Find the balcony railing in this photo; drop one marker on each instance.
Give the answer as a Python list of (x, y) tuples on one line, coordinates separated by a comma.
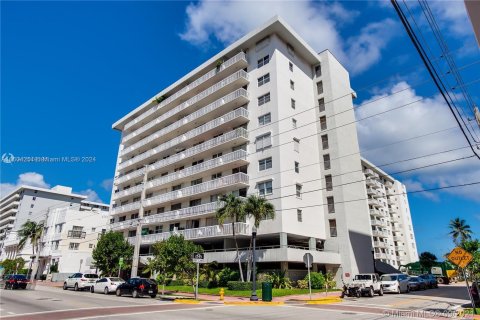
[(241, 228), (240, 112), (124, 224), (380, 244), (378, 223), (229, 136), (76, 234), (191, 86), (368, 172), (191, 117), (182, 213), (126, 208), (378, 233), (128, 192), (198, 189), (380, 255)]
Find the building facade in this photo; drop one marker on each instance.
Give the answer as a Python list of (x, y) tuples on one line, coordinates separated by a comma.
[(268, 116)]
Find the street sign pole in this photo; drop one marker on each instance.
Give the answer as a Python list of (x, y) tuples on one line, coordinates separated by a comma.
[(462, 258), (198, 258), (309, 280), (469, 292), (196, 286)]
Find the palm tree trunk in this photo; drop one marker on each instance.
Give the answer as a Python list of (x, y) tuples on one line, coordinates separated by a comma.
[(238, 252)]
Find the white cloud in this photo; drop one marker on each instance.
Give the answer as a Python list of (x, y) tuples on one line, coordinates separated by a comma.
[(426, 116), (452, 16), (316, 22), (28, 178), (107, 184), (91, 195)]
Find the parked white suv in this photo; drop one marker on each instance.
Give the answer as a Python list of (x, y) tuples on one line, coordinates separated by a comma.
[(80, 281), (363, 284), (395, 282)]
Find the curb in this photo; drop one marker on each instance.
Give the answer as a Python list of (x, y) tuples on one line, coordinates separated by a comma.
[(254, 303), (324, 301), (186, 301)]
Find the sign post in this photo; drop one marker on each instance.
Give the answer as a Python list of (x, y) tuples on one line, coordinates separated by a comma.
[(462, 258), (198, 258), (308, 259)]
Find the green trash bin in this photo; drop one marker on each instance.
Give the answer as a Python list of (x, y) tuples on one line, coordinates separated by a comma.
[(266, 291)]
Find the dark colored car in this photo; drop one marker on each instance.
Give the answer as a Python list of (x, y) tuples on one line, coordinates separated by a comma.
[(138, 287), (417, 283), (430, 280), (16, 281)]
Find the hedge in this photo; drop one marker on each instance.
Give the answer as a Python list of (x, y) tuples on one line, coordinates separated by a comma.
[(242, 286)]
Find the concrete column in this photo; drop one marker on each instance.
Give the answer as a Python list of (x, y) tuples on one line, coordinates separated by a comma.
[(283, 239), (312, 244)]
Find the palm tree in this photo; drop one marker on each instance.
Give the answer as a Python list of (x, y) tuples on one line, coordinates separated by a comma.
[(233, 208), (459, 230), (32, 231), (259, 209)]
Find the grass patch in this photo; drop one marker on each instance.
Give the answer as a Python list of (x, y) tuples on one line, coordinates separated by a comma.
[(238, 293), (470, 311)]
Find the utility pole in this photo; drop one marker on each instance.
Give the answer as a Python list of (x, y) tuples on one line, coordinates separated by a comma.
[(36, 264), (138, 236)]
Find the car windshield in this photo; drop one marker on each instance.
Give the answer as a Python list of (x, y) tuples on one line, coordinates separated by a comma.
[(414, 279), (389, 278), (116, 279), (20, 277), (91, 276), (150, 281), (363, 277)]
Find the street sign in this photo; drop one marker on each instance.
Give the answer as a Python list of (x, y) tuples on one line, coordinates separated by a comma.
[(198, 257), (120, 262), (460, 257), (308, 259)]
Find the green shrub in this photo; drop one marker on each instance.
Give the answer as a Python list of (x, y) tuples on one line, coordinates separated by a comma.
[(242, 286), (302, 284), (279, 280), (317, 279), (225, 275), (263, 277), (203, 284), (176, 283)]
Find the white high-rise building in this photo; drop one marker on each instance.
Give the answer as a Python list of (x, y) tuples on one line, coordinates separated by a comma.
[(268, 115)]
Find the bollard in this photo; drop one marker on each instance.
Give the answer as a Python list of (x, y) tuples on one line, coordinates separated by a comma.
[(221, 294)]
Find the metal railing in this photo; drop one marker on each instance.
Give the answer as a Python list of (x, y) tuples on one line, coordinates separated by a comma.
[(228, 98), (126, 208), (197, 189), (76, 234), (226, 137), (240, 112), (191, 86)]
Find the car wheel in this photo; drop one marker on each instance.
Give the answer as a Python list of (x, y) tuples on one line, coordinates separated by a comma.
[(118, 293), (371, 292), (408, 289), (135, 293), (75, 287), (153, 296), (359, 293), (380, 292), (106, 290), (92, 290), (65, 286)]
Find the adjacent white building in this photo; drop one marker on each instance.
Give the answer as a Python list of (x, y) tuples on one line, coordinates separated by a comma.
[(67, 217), (268, 115)]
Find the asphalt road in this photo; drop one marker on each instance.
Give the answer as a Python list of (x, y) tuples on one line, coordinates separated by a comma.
[(53, 303)]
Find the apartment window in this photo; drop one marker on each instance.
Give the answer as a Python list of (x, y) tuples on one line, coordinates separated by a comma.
[(73, 246), (216, 155), (55, 245), (134, 216), (296, 144), (194, 163), (90, 245), (265, 187), (132, 233), (263, 141), (177, 187), (195, 202), (297, 167), (299, 215), (321, 105), (264, 119), (158, 229), (333, 227), (329, 182), (217, 175), (320, 87), (58, 228), (298, 190), (323, 123), (265, 164), (164, 174), (174, 226), (195, 182), (214, 197), (325, 142), (263, 79), (292, 103), (93, 229), (34, 198), (178, 169), (120, 219), (176, 206), (292, 85), (263, 61), (136, 199), (326, 162), (161, 210), (330, 205), (290, 66), (318, 71), (294, 123), (31, 206), (264, 99)]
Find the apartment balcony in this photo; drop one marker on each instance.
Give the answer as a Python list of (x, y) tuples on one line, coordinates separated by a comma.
[(400, 248), (76, 234), (11, 205), (11, 212), (126, 208), (11, 242), (233, 119), (378, 223), (381, 255), (6, 221), (390, 201), (216, 231), (380, 244), (378, 233), (231, 138), (397, 228), (128, 192), (186, 120), (397, 238), (238, 79), (374, 203), (227, 183), (6, 201), (389, 184), (376, 213), (369, 173), (371, 191), (122, 225)]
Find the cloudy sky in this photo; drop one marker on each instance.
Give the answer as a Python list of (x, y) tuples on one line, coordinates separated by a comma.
[(71, 69)]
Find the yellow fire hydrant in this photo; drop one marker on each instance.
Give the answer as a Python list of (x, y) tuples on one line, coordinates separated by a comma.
[(222, 292)]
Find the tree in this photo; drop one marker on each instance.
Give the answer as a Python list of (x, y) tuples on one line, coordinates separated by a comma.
[(460, 231), (427, 260), (32, 231), (110, 248), (473, 247), (12, 265), (174, 256), (232, 208), (259, 209)]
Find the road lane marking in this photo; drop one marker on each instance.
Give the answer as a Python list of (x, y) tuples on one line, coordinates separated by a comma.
[(78, 309)]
